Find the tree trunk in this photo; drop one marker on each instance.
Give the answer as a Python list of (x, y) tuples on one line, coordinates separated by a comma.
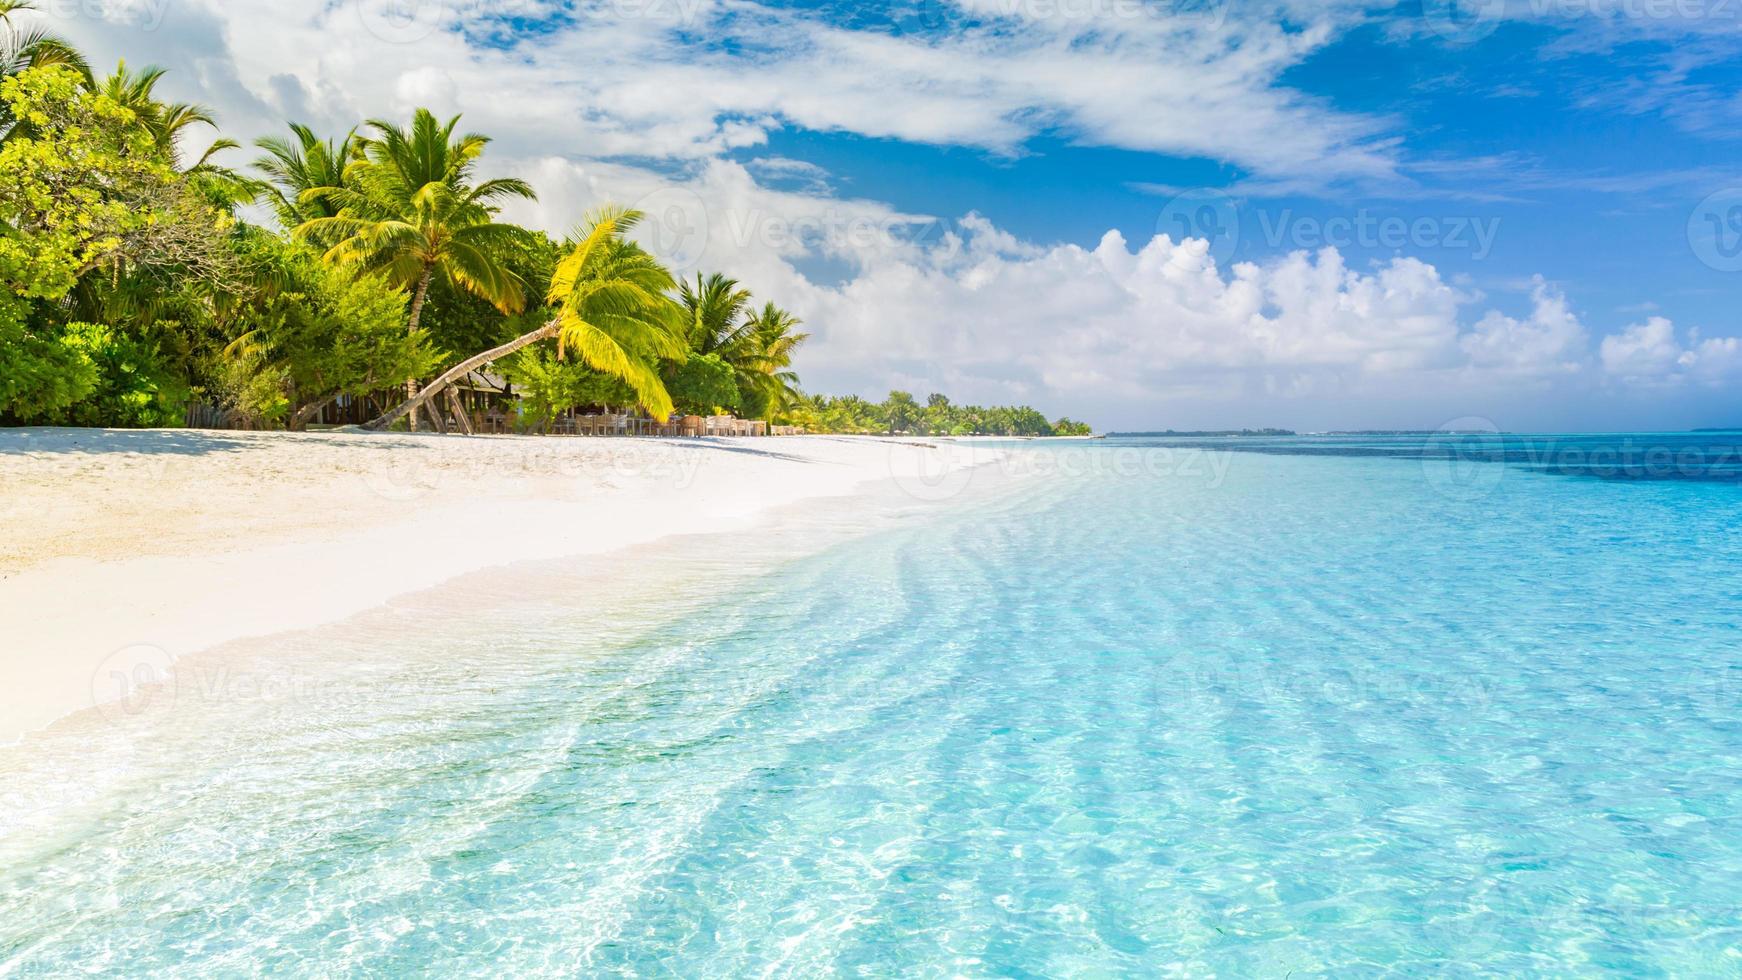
[(462, 418), (301, 419), (463, 368), (418, 298)]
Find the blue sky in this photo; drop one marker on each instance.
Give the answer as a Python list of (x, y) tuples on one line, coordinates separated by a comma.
[(1144, 212)]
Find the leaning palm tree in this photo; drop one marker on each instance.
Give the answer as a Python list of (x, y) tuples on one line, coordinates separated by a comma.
[(292, 169), (407, 208), (611, 308), (22, 49)]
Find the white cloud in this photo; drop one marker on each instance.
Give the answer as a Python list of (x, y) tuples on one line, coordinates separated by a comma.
[(1161, 322), (1551, 340), (1649, 353), (425, 86), (627, 77)]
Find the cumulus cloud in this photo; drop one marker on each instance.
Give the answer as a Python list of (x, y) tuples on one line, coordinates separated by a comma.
[(1160, 321), (1551, 340), (1649, 353)]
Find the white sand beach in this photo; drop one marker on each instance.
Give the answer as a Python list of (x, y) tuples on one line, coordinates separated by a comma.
[(175, 541)]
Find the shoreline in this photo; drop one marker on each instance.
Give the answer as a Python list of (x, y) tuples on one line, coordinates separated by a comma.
[(127, 551)]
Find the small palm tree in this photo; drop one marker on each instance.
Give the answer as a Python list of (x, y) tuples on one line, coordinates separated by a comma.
[(293, 169), (774, 382), (758, 346), (612, 310), (167, 122), (408, 208), (714, 315)]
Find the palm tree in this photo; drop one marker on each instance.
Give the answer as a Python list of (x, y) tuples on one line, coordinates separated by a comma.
[(408, 208), (774, 382), (612, 309), (714, 314), (21, 50), (757, 346), (167, 122), (293, 169)]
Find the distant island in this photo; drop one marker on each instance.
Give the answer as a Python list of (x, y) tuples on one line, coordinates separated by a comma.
[(1173, 433), (1414, 432)]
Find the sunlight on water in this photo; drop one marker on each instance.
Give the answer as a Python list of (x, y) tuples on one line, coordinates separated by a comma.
[(1110, 709)]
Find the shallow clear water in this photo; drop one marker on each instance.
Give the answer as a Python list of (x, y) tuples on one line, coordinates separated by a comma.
[(1119, 708)]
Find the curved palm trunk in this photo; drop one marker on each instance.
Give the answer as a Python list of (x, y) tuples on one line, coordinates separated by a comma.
[(417, 300), (462, 369)]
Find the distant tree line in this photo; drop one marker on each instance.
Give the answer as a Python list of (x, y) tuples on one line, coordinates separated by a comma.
[(900, 413)]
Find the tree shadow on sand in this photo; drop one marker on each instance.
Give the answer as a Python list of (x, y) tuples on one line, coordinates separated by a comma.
[(144, 442)]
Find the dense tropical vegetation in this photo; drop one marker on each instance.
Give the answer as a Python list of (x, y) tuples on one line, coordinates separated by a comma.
[(138, 292), (938, 416)]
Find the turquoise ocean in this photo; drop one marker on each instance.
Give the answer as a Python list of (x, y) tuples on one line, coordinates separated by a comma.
[(1358, 705)]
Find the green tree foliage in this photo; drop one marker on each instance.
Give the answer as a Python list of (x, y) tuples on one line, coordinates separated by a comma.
[(611, 307), (460, 322), (313, 333), (758, 346), (88, 187), (771, 386), (89, 194), (901, 413), (409, 209), (134, 384), (548, 386), (42, 373), (701, 384), (22, 49)]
